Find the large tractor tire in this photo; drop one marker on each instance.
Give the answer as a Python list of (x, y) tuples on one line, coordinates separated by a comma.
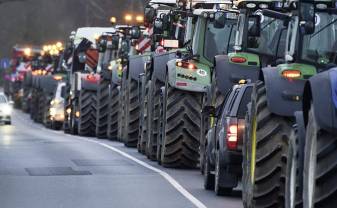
[(114, 114), (143, 117), (264, 153), (102, 109), (132, 114), (87, 117), (320, 166), (41, 108), (181, 128), (153, 124)]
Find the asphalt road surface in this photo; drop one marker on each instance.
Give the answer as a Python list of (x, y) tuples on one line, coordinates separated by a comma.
[(41, 168)]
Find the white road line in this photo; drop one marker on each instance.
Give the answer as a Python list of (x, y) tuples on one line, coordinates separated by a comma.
[(164, 174)]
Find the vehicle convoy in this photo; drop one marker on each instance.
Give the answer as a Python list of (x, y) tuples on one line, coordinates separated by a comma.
[(311, 157), (81, 60), (223, 155), (276, 97)]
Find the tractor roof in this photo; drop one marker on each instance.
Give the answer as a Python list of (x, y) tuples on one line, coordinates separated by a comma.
[(91, 33)]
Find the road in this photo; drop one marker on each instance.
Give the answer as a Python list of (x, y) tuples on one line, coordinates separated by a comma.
[(44, 168)]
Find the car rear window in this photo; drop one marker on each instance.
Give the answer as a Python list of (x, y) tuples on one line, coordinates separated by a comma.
[(244, 101)]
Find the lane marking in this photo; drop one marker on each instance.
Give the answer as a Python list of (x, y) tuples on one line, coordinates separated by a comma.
[(164, 174)]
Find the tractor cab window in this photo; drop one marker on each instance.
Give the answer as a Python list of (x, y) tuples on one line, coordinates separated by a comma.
[(219, 40), (272, 37), (321, 46)]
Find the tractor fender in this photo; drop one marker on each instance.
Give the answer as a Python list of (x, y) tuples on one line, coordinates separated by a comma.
[(199, 85), (320, 90), (136, 66), (228, 73), (283, 95), (159, 65)]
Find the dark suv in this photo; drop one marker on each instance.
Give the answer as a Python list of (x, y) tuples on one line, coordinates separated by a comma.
[(223, 155)]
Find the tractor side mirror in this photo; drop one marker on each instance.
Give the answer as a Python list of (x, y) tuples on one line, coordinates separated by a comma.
[(158, 26), (307, 17), (102, 45), (135, 32), (219, 19), (209, 111), (149, 14), (254, 25)]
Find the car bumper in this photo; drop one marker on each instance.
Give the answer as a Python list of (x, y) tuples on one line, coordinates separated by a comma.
[(232, 161), (4, 118)]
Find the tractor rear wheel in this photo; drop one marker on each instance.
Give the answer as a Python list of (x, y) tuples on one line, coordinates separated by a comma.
[(181, 128), (102, 109), (132, 114), (265, 153), (87, 113), (113, 119), (320, 166), (153, 123)]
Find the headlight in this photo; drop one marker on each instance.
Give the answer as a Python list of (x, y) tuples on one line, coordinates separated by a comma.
[(7, 110)]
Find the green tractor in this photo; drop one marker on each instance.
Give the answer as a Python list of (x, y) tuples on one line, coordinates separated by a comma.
[(256, 41), (267, 146), (187, 78), (311, 166)]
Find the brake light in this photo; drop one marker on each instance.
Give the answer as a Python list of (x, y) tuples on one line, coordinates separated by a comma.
[(291, 74), (232, 137), (237, 59)]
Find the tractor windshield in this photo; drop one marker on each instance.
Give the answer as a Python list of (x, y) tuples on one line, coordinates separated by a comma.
[(321, 46), (219, 40), (271, 40)]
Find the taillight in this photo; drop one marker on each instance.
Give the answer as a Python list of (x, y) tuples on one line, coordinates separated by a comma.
[(92, 78), (186, 65), (237, 59), (232, 136), (291, 74)]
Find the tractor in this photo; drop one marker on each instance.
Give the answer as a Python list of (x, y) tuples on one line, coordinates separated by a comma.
[(310, 171), (276, 96), (81, 89)]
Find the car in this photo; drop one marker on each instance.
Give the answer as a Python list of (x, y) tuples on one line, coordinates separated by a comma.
[(5, 110), (56, 110), (223, 155)]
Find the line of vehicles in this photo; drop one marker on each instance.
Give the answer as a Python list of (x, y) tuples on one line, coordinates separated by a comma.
[(244, 90)]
